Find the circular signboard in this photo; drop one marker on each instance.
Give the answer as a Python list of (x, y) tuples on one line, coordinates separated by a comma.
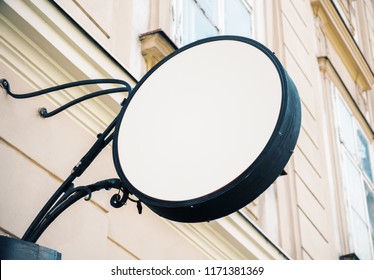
[(208, 129)]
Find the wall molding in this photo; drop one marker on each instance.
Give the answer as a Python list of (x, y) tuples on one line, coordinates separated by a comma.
[(155, 46), (35, 34), (231, 237), (326, 66), (337, 32)]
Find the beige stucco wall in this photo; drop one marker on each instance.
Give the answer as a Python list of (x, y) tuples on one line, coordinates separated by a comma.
[(41, 47), (309, 170), (299, 216), (38, 154)]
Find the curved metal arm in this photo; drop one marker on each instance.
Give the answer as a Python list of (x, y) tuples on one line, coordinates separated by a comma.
[(73, 194), (67, 194), (125, 87)]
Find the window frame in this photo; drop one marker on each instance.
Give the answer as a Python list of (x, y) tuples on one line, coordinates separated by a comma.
[(178, 24), (344, 155)]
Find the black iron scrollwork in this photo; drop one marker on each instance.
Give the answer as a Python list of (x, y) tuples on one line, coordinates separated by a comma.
[(72, 195), (124, 87), (67, 194)]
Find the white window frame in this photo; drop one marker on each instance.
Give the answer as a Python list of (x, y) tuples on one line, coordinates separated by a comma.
[(344, 155), (177, 28)]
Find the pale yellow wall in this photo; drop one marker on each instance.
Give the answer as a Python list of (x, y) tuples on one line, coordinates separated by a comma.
[(40, 47), (301, 221), (309, 172), (115, 25), (38, 154), (310, 213), (343, 64)]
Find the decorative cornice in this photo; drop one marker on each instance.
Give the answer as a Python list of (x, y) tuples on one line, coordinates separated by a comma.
[(35, 50), (231, 237), (325, 65), (337, 32), (155, 46)]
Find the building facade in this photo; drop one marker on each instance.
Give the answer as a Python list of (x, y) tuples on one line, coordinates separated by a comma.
[(322, 209)]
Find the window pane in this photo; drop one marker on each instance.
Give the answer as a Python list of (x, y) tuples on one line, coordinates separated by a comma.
[(356, 197), (370, 206), (196, 25), (363, 154), (354, 185), (357, 177), (203, 28), (210, 7), (360, 237), (238, 19), (346, 128)]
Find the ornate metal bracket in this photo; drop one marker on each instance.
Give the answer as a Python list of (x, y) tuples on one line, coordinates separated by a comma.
[(67, 194), (124, 87), (72, 195)]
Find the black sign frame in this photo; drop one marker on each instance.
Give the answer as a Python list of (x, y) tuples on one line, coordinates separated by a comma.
[(255, 179)]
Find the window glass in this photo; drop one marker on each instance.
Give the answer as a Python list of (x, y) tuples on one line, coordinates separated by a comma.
[(363, 154), (196, 24), (210, 7), (346, 128), (202, 27), (354, 185), (361, 238), (357, 175), (207, 18), (238, 18), (370, 204)]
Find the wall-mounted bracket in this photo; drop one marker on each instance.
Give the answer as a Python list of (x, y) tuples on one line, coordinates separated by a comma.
[(67, 194)]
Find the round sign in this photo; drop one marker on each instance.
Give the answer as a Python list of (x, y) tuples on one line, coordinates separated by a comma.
[(208, 129)]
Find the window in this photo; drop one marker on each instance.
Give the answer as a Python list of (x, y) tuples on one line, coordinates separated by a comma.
[(198, 19), (349, 12), (357, 174)]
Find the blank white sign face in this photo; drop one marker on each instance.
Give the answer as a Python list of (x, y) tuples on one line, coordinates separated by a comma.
[(199, 120)]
